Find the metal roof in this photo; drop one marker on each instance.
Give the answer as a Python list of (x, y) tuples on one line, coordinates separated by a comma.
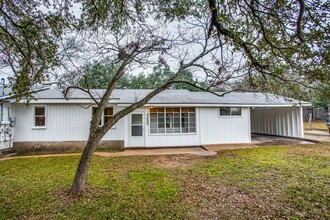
[(170, 97)]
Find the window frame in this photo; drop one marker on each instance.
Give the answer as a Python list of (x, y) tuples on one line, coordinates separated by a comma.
[(35, 126), (102, 117), (223, 116), (180, 118)]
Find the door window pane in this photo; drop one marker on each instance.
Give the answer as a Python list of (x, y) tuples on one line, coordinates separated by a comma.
[(136, 130), (137, 119)]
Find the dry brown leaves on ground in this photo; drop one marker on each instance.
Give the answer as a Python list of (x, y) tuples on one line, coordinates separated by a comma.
[(218, 201)]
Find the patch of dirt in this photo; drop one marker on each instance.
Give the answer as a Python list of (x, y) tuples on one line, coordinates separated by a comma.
[(217, 201), (177, 161), (67, 199)]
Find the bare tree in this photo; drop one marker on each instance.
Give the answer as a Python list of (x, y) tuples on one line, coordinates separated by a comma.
[(141, 47)]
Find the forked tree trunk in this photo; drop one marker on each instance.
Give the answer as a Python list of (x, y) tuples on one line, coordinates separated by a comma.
[(79, 181)]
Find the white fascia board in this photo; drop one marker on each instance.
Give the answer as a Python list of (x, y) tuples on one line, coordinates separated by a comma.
[(220, 105), (63, 101), (115, 101)]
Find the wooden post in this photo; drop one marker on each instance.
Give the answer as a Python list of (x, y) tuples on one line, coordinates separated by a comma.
[(328, 115), (310, 121)]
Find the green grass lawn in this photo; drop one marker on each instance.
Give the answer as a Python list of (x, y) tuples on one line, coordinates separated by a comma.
[(269, 182)]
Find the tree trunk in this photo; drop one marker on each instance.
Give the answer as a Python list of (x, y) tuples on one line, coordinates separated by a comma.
[(79, 181)]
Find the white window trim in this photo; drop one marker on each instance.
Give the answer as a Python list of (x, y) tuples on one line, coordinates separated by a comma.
[(102, 116), (230, 116), (171, 134), (34, 126)]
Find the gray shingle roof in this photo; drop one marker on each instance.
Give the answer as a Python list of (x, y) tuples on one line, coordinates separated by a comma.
[(126, 96)]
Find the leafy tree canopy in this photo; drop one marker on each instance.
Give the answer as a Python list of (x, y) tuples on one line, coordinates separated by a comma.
[(29, 33), (276, 38), (320, 97)]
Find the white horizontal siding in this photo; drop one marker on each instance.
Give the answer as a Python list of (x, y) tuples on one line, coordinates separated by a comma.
[(64, 122), (225, 129), (277, 121)]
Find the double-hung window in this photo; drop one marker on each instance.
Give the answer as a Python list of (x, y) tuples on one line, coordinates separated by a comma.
[(39, 116), (230, 111), (172, 120), (106, 116)]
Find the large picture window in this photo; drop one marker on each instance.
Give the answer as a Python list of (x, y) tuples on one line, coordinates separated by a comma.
[(172, 120), (106, 116), (230, 111), (39, 116)]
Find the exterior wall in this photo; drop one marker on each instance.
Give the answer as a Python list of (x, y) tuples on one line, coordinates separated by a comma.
[(225, 129), (285, 121), (64, 122), (67, 127)]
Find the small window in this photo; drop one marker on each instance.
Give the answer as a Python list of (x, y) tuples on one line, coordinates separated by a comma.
[(39, 116), (106, 116), (225, 111), (230, 111)]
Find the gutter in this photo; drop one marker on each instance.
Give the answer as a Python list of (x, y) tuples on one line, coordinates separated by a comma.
[(89, 101)]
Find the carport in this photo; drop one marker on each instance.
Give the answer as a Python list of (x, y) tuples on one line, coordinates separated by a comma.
[(280, 120)]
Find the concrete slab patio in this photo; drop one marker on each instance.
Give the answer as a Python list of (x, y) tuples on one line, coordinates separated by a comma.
[(317, 135), (199, 151), (257, 141)]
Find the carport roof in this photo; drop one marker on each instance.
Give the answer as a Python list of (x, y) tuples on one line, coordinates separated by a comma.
[(169, 97)]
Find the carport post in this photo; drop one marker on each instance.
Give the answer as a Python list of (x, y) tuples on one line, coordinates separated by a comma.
[(301, 124)]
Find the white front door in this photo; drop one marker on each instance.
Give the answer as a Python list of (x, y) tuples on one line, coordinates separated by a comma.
[(137, 130)]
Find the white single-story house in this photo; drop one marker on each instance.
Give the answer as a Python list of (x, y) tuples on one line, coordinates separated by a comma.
[(170, 119)]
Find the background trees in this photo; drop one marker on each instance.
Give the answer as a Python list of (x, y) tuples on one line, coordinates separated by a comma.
[(99, 73)]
